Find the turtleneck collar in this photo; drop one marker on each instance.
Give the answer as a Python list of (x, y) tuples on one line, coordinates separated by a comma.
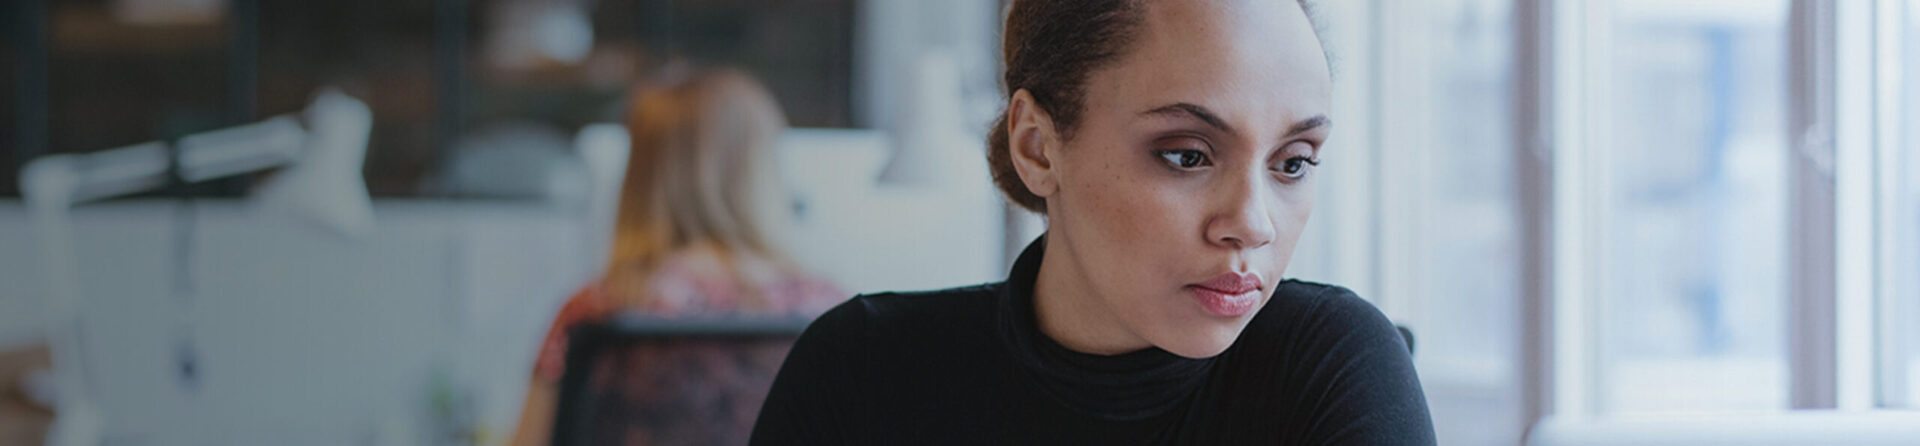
[(1127, 386)]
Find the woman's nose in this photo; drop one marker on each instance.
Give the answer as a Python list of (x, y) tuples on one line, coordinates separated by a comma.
[(1241, 220)]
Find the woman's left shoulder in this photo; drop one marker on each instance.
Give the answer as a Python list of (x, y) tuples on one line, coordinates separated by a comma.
[(1335, 355), (1317, 313), (1305, 298)]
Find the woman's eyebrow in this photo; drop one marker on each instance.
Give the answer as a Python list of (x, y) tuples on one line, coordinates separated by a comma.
[(1207, 116), (1317, 121), (1185, 109)]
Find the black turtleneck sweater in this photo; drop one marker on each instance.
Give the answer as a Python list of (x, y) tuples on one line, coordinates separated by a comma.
[(1317, 365)]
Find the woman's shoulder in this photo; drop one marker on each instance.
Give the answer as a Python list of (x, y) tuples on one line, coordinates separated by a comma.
[(857, 358), (1337, 356), (1301, 298), (1311, 317), (905, 320), (944, 303)]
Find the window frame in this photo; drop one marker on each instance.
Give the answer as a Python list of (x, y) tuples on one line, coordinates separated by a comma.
[(1890, 31), (28, 24)]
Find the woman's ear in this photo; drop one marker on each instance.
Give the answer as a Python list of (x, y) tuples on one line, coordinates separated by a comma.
[(1032, 144)]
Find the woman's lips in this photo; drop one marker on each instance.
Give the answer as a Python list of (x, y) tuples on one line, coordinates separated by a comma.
[(1228, 295)]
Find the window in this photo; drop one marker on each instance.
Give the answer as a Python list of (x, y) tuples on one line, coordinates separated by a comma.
[(1692, 293), (1704, 260), (1906, 217)]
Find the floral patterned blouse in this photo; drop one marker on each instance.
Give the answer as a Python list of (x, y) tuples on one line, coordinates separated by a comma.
[(685, 392), (692, 285)]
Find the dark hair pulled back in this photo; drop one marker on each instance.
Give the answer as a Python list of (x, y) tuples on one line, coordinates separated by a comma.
[(1050, 47)]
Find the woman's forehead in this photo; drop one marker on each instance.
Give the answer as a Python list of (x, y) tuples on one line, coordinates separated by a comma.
[(1254, 63)]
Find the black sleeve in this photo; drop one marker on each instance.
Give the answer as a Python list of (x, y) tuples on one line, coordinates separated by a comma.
[(1370, 394), (816, 395)]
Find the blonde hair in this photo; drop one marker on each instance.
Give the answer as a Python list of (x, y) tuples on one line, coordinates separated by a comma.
[(702, 175)]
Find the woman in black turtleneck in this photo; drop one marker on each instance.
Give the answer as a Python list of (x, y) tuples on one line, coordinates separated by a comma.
[(1171, 144)]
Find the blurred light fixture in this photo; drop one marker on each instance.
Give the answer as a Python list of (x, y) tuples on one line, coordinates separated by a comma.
[(525, 34), (168, 12)]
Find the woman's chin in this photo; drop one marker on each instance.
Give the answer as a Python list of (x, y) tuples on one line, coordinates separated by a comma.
[(1200, 344)]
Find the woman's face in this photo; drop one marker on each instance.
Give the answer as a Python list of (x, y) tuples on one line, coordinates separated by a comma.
[(1186, 183)]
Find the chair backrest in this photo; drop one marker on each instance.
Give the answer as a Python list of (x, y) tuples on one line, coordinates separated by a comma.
[(639, 380), (1406, 334)]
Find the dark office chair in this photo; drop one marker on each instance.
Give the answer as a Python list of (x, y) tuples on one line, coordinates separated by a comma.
[(1407, 334), (641, 380)]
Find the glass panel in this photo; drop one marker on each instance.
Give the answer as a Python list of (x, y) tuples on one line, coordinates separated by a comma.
[(568, 63), (129, 71), (1906, 211), (1466, 350), (540, 70), (126, 72), (1693, 294), (379, 51)]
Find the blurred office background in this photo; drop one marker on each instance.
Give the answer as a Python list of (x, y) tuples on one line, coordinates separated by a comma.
[(1704, 213)]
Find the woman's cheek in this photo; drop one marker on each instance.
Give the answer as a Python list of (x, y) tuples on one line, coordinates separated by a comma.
[(1292, 217)]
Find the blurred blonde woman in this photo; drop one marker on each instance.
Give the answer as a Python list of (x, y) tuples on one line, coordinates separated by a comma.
[(695, 236)]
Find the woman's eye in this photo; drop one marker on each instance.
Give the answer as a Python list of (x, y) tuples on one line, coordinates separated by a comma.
[(1296, 167), (1184, 159)]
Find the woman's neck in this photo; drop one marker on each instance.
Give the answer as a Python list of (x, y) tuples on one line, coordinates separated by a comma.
[(1067, 310)]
